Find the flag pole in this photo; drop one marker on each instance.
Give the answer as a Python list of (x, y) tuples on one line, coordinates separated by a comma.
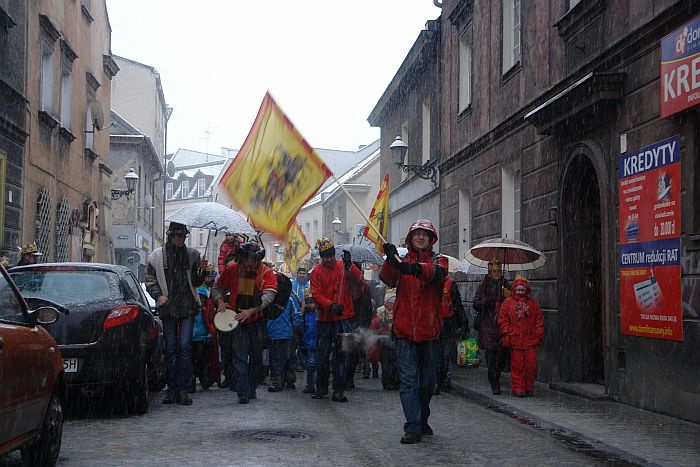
[(359, 209), (362, 213)]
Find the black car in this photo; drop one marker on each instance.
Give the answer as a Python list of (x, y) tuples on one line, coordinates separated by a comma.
[(107, 335)]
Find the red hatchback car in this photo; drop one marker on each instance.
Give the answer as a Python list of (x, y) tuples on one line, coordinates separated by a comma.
[(31, 379)]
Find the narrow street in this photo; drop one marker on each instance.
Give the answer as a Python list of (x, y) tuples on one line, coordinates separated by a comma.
[(290, 428)]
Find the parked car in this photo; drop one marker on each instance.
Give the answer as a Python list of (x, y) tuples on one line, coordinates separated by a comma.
[(110, 338), (31, 379)]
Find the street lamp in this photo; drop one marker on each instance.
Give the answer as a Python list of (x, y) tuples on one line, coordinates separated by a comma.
[(336, 224), (131, 178), (427, 171), (276, 246)]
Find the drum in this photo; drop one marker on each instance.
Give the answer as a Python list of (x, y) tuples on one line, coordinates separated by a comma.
[(346, 342), (225, 321)]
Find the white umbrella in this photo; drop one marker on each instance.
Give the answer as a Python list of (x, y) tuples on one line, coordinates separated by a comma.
[(514, 255), (212, 216)]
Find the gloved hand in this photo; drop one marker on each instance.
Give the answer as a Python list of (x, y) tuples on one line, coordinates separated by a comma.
[(347, 260), (391, 253), (412, 269), (336, 309)]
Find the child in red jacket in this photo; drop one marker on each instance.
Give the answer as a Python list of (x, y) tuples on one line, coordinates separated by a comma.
[(522, 328)]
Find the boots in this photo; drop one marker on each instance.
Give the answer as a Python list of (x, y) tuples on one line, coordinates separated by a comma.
[(310, 386), (276, 384)]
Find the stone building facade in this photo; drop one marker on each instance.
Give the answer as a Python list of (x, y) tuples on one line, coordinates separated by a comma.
[(536, 99), (13, 129), (69, 68)]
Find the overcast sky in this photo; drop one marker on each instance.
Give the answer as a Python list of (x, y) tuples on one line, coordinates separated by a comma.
[(326, 62)]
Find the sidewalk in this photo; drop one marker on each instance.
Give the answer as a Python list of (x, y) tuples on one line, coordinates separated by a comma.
[(608, 431)]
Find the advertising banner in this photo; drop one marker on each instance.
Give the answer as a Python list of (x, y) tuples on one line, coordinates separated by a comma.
[(680, 69), (649, 241)]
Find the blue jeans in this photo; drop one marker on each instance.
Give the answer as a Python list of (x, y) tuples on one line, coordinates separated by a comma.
[(280, 352), (178, 352), (307, 357), (326, 339), (248, 341), (417, 362)]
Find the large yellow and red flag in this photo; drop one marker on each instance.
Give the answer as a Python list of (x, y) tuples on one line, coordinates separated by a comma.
[(295, 247), (379, 217), (276, 171)]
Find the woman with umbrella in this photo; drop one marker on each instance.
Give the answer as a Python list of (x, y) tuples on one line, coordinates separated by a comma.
[(492, 291)]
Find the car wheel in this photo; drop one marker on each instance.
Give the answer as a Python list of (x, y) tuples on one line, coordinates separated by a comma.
[(44, 452), (139, 392)]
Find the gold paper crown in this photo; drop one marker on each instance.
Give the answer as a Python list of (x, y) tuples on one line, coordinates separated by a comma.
[(4, 261), (324, 244), (520, 277), (29, 248), (301, 265), (210, 268)]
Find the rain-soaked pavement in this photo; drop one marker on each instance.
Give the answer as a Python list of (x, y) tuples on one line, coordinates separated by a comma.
[(289, 428)]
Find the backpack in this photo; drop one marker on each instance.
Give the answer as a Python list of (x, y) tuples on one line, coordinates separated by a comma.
[(279, 304)]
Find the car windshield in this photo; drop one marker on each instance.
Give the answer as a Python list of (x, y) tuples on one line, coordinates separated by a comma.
[(64, 287)]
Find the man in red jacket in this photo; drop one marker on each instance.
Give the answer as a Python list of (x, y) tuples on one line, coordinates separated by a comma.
[(330, 290), (417, 322), (253, 287), (522, 327)]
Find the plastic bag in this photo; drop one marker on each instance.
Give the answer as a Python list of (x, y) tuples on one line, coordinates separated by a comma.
[(468, 353)]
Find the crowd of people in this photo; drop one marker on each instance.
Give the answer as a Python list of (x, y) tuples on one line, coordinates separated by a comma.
[(326, 321)]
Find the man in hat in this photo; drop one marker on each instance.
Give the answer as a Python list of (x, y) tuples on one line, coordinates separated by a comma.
[(174, 271), (30, 254), (418, 319), (252, 287), (522, 327), (330, 283)]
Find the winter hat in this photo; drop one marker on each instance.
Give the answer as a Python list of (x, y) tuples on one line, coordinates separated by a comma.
[(175, 228), (252, 250), (495, 265)]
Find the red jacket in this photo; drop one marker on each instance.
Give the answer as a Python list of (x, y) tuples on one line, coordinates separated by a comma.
[(225, 250), (264, 279), (380, 327), (329, 285), (418, 305), (521, 321), (446, 311)]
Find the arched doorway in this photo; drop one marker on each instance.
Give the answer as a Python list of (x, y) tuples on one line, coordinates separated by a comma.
[(581, 292)]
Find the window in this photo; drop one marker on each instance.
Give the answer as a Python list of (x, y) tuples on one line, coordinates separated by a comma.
[(511, 201), (168, 190), (10, 308), (465, 220), (185, 188), (511, 33), (465, 70), (42, 222), (135, 289), (48, 67), (425, 156), (201, 187), (62, 223), (3, 191), (89, 128), (66, 93), (315, 230), (202, 238)]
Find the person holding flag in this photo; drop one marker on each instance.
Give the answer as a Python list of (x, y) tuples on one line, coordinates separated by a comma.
[(330, 290), (379, 216)]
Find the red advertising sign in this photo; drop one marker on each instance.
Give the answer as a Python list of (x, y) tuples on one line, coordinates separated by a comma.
[(650, 245), (680, 69)]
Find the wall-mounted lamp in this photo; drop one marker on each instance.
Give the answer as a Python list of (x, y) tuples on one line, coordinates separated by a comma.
[(276, 246), (553, 216), (427, 171), (131, 179), (336, 224)]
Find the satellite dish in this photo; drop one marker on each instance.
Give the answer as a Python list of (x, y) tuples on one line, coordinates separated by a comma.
[(98, 117), (170, 168)]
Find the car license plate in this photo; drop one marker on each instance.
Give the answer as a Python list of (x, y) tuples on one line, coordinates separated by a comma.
[(70, 365)]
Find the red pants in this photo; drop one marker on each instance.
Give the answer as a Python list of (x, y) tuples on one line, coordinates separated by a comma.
[(523, 369)]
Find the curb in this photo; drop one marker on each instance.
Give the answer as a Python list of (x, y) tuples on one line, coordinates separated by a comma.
[(574, 441)]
